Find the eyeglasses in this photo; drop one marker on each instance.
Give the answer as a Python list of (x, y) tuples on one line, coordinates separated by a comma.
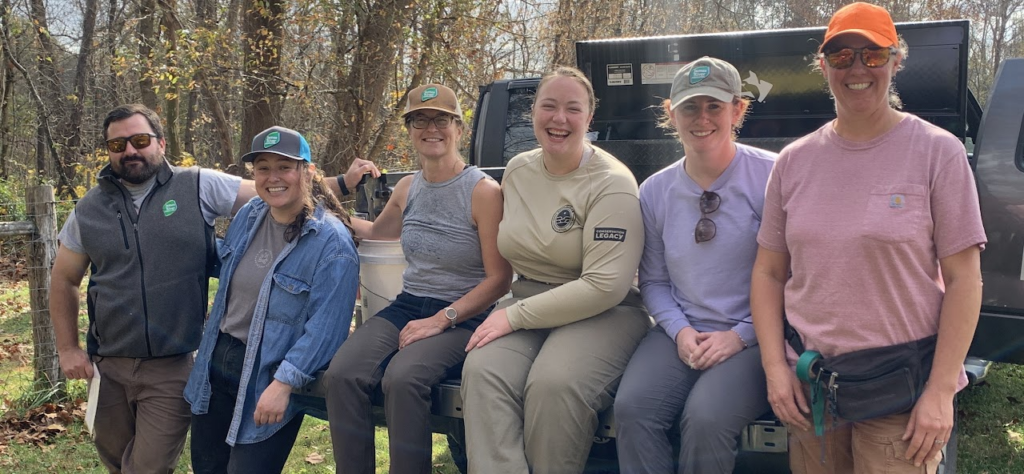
[(706, 229), (420, 122), (138, 141), (870, 57)]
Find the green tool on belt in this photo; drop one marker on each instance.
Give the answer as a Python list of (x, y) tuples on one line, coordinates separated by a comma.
[(807, 371)]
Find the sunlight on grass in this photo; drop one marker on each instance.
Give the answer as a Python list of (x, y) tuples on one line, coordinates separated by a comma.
[(992, 422)]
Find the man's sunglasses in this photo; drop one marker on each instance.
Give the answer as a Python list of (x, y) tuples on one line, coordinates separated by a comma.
[(871, 57), (706, 229), (139, 141)]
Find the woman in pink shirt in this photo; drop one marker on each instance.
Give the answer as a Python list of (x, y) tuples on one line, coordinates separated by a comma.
[(870, 238)]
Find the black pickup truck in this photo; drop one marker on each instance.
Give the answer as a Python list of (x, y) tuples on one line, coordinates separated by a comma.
[(632, 76)]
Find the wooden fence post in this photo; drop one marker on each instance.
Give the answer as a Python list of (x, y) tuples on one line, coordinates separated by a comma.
[(39, 205)]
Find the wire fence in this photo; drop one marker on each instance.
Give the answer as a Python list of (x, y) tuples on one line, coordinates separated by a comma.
[(29, 366)]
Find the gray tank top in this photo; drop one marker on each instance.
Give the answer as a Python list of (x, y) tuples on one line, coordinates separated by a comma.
[(439, 237)]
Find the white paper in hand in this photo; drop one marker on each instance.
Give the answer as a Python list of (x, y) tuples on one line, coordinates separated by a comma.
[(94, 395)]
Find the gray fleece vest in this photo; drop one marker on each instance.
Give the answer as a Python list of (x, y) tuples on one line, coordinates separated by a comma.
[(148, 279)]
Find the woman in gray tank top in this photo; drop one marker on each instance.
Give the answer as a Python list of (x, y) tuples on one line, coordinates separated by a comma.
[(447, 217)]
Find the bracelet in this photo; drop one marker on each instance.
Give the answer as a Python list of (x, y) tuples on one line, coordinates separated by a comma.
[(741, 338), (341, 184)]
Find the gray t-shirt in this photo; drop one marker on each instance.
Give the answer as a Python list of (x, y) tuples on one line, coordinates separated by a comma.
[(440, 239), (253, 267), (217, 194)]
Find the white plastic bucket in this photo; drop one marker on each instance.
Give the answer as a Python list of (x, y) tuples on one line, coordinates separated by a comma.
[(381, 263)]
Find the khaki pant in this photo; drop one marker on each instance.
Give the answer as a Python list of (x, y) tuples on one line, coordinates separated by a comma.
[(142, 417), (531, 398), (864, 447)]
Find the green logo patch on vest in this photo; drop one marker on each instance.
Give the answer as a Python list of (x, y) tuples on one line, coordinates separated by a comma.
[(699, 73), (428, 93), (170, 207), (273, 138)]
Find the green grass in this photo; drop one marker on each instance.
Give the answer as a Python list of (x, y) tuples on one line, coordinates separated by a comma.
[(992, 423), (991, 417), (73, 452)]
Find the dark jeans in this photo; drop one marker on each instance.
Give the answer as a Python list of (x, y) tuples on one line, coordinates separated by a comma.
[(210, 453)]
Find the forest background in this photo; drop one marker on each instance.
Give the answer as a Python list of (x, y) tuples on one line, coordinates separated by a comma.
[(219, 71)]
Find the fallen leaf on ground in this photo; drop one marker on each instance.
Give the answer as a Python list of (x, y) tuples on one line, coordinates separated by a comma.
[(314, 458)]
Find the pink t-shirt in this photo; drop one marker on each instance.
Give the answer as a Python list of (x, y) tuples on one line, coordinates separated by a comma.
[(865, 224)]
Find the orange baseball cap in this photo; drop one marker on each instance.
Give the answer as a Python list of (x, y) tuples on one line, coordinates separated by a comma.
[(870, 21)]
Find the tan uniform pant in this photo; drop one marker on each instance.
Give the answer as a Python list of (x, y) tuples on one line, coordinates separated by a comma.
[(141, 413), (531, 399), (863, 447)]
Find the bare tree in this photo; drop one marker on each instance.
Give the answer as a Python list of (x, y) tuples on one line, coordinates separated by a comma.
[(262, 41)]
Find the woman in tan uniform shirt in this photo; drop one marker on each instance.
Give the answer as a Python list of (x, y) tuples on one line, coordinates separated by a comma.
[(546, 362)]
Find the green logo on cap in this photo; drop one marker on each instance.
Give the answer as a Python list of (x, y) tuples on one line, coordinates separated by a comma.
[(699, 73), (273, 138), (170, 207), (428, 93)]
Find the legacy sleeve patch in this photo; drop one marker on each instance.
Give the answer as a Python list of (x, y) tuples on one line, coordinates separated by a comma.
[(613, 234)]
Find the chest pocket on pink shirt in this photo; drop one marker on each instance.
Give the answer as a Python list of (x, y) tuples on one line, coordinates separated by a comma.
[(896, 213)]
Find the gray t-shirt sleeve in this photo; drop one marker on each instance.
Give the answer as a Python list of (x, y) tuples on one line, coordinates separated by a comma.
[(70, 235), (217, 194)]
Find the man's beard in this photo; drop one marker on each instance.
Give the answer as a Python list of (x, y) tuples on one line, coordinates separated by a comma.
[(135, 175)]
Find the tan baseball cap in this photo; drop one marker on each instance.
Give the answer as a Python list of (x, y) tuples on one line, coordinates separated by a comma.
[(706, 76), (433, 97)]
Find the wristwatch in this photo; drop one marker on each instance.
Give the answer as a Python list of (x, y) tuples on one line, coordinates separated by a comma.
[(452, 315)]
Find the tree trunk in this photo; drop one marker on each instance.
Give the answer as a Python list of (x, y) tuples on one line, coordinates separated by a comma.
[(5, 119), (112, 29), (262, 40), (72, 150), (222, 129), (8, 91), (221, 150), (146, 32), (44, 139), (361, 91), (52, 95), (191, 115), (170, 25)]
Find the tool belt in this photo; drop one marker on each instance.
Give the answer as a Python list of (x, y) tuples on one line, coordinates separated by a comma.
[(864, 384)]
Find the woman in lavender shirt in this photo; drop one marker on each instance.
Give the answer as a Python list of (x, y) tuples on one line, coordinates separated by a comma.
[(700, 366)]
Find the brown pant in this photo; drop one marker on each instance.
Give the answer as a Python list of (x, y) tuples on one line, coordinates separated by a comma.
[(141, 414), (864, 447)]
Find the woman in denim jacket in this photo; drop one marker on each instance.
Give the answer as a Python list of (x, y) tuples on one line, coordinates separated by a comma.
[(284, 305)]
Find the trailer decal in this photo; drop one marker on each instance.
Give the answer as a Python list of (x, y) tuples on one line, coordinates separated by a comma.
[(620, 74)]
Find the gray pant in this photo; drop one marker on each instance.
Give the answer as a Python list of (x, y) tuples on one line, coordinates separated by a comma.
[(357, 368), (711, 407), (531, 398)]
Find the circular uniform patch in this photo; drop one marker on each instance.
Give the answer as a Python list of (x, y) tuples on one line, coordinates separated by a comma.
[(563, 219)]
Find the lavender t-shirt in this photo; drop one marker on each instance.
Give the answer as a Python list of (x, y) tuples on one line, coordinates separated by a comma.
[(706, 285), (865, 224)]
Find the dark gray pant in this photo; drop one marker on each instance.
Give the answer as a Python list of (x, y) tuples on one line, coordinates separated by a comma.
[(357, 368), (711, 407)]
